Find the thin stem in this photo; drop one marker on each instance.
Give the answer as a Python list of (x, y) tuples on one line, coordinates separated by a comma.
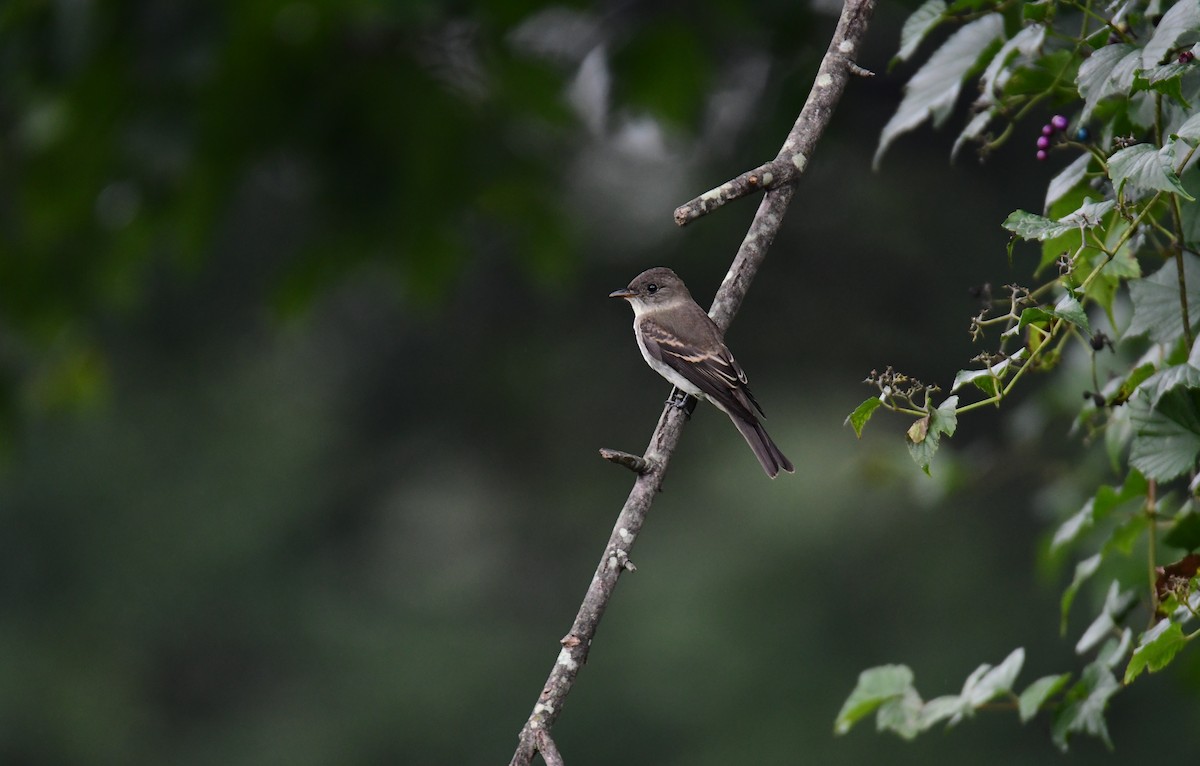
[(1151, 538)]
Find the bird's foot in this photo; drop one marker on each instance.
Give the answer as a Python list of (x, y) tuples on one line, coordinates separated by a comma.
[(681, 400)]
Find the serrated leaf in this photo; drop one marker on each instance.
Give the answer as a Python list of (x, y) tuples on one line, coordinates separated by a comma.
[(1166, 438), (1189, 131), (994, 681), (1146, 168), (919, 24), (941, 420), (1036, 694), (1032, 226), (973, 129), (932, 91), (1155, 300), (1075, 524), (1107, 72), (1125, 387), (1158, 647), (1071, 241), (1166, 79), (1114, 649), (901, 715), (1116, 604), (1181, 19), (1067, 309), (1083, 570), (1066, 179), (875, 686), (1089, 214), (994, 77), (862, 413), (939, 709), (1083, 706)]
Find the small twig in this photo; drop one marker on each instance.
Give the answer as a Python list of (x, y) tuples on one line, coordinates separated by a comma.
[(790, 163), (549, 750), (816, 114), (858, 71), (635, 463)]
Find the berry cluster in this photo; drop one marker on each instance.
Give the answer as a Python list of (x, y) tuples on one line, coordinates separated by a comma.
[(1057, 123)]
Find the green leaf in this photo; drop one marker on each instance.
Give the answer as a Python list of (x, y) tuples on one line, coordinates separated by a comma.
[(986, 379), (1051, 73), (1107, 72), (901, 714), (939, 709), (1067, 179), (1116, 604), (1125, 387), (1097, 508), (1075, 524), (875, 686), (1185, 529), (1189, 131), (1166, 438), (1183, 19), (1191, 213), (1114, 649), (862, 413), (1069, 242), (1036, 11), (1032, 226), (1083, 570), (933, 90), (1146, 168), (1067, 309), (1036, 694), (988, 683), (1155, 300), (1020, 46), (919, 24), (924, 438), (1158, 647), (1123, 537), (1083, 706)]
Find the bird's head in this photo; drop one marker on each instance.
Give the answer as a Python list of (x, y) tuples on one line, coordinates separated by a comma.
[(653, 289)]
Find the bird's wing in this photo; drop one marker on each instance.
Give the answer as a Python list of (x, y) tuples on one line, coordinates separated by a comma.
[(718, 374)]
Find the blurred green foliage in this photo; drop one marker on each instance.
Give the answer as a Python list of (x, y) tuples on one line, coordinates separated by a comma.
[(305, 356)]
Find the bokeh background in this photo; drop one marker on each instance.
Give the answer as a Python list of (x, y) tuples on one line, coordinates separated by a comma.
[(305, 356)]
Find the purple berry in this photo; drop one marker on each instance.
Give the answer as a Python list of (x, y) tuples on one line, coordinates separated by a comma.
[(1047, 130), (1186, 57), (1041, 155), (1059, 122), (1043, 142)]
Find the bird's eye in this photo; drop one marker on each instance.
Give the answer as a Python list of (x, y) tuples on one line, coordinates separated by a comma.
[(651, 288)]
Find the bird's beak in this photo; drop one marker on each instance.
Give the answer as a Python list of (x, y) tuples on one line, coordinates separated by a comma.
[(624, 292)]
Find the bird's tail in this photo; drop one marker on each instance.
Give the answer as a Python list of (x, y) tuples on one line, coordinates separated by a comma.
[(768, 454)]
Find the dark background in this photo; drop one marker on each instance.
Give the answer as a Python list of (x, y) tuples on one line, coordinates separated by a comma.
[(305, 356)]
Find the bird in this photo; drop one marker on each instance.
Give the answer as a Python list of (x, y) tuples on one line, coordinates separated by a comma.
[(683, 344)]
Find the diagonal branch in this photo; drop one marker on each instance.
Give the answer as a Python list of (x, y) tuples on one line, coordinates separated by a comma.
[(818, 109), (793, 157)]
